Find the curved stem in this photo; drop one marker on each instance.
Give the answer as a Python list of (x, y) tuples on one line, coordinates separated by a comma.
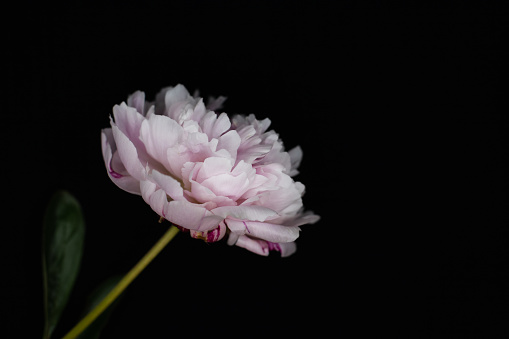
[(121, 286)]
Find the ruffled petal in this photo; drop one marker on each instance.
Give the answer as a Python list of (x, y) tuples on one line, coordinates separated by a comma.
[(213, 166), (254, 245), (204, 195), (257, 213), (191, 216), (262, 230), (171, 186), (128, 154), (295, 160), (159, 133), (227, 185), (137, 100), (178, 103), (213, 235), (262, 247), (154, 196), (116, 170), (214, 125), (129, 121), (301, 219), (229, 141), (214, 104), (286, 249)]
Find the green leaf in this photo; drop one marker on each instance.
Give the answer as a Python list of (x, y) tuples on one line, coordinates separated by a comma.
[(93, 331), (62, 248)]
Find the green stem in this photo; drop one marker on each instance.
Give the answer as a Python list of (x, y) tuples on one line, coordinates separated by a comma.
[(121, 286)]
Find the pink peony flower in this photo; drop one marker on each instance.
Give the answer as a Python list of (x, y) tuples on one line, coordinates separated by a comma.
[(206, 173)]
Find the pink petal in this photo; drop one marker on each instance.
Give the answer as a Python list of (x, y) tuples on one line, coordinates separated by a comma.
[(210, 236), (171, 186), (286, 249), (154, 196), (283, 200), (204, 195), (178, 101), (295, 159), (213, 166), (227, 185), (191, 216), (262, 247), (159, 133), (137, 100), (158, 202), (116, 170), (128, 120), (214, 125), (302, 219), (257, 213), (199, 111), (176, 95), (263, 230), (254, 245), (128, 154), (214, 104), (229, 141)]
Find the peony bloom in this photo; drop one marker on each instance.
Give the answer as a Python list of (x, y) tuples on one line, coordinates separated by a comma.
[(206, 173)]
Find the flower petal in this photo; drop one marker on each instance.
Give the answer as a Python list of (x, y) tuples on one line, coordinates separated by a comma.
[(128, 120), (213, 166), (128, 154), (257, 213), (295, 159), (214, 125), (159, 133), (171, 186), (137, 100), (210, 236), (154, 196), (254, 245), (301, 219), (214, 104), (263, 230), (116, 170), (286, 249), (229, 141), (191, 216), (175, 95), (227, 185)]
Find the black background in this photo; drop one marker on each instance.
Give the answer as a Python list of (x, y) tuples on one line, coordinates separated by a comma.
[(401, 110)]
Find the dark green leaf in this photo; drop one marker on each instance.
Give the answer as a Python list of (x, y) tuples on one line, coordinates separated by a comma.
[(94, 330), (62, 248)]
